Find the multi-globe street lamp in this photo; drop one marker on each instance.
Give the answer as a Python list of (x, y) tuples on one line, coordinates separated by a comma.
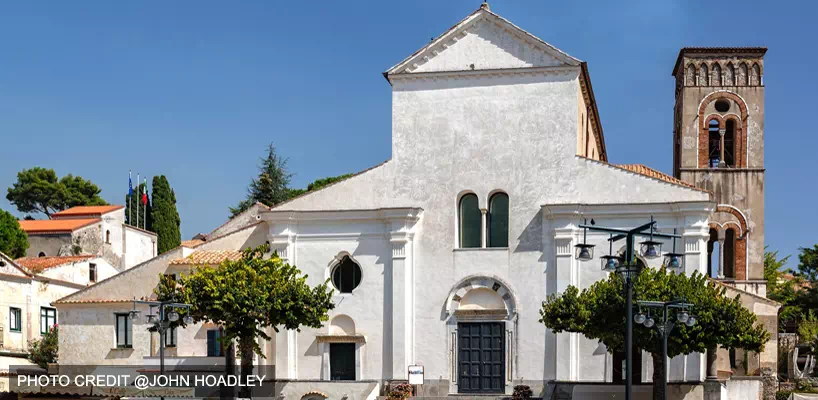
[(628, 268), (167, 313), (666, 325)]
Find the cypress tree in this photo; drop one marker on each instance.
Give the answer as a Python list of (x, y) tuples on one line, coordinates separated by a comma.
[(166, 221), (130, 208)]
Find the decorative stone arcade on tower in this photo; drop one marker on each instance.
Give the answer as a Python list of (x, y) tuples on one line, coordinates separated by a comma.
[(718, 145)]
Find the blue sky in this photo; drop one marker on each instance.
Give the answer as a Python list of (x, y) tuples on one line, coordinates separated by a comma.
[(195, 90)]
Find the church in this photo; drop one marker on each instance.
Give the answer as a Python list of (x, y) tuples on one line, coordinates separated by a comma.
[(441, 256)]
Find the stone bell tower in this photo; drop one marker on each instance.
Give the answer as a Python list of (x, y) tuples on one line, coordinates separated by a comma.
[(718, 145)]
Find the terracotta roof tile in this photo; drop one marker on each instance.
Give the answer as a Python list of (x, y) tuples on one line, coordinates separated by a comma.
[(208, 257), (86, 210), (652, 173), (56, 225), (192, 243), (38, 264)]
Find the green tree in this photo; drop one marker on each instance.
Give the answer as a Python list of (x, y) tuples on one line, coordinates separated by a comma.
[(38, 190), (164, 215), (43, 351), (808, 263), (144, 210), (270, 187), (248, 295), (13, 240), (598, 312), (808, 330)]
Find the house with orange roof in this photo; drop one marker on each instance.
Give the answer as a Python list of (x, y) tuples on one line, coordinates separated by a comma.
[(28, 286), (90, 230)]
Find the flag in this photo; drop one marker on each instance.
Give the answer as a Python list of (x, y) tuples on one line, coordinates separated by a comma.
[(145, 195), (130, 184)]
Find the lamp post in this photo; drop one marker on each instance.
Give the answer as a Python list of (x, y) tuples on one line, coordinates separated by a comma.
[(167, 313), (626, 268), (682, 316)]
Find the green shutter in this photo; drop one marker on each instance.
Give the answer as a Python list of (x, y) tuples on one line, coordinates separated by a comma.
[(498, 220), (469, 221)]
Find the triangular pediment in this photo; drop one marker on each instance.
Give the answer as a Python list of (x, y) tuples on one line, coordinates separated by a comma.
[(483, 41)]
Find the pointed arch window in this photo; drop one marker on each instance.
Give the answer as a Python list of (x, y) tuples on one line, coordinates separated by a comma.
[(703, 75), (498, 220), (729, 75), (690, 77), (755, 76), (742, 75), (716, 78), (470, 221)]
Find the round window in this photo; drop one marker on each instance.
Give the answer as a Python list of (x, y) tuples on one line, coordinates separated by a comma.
[(346, 276), (722, 105)]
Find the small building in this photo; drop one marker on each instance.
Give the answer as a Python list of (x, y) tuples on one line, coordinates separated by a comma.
[(27, 288), (96, 230)]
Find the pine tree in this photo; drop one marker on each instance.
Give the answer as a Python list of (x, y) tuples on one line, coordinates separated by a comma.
[(165, 217), (270, 187), (144, 210)]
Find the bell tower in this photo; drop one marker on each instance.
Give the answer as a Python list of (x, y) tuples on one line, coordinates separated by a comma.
[(718, 145)]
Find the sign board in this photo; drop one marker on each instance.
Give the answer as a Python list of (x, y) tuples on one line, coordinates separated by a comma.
[(415, 374)]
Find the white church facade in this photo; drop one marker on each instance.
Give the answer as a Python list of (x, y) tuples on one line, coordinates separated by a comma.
[(442, 255)]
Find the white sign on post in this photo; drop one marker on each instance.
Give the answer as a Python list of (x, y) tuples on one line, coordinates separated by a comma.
[(415, 374)]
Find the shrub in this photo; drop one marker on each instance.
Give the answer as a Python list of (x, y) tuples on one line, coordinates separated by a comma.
[(400, 391), (783, 394), (44, 350), (522, 392)]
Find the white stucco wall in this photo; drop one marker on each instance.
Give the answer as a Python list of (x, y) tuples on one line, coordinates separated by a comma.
[(78, 272), (138, 246)]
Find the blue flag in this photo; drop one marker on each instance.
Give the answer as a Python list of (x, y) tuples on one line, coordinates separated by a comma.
[(130, 184)]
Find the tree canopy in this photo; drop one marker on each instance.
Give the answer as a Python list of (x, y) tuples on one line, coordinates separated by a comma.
[(270, 187), (598, 312), (165, 220), (797, 291), (248, 295), (13, 240), (38, 190)]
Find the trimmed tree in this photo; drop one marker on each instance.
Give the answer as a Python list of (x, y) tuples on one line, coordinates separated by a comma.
[(270, 187), (164, 216), (598, 312), (38, 190), (144, 210), (13, 239), (246, 296)]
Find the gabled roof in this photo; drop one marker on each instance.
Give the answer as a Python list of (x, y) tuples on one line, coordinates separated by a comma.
[(192, 243), (441, 43), (86, 211), (40, 226), (208, 257), (38, 264)]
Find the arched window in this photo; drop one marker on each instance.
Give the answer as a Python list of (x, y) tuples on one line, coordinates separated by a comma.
[(703, 75), (498, 220), (346, 275), (470, 221), (729, 75), (742, 75), (730, 143), (755, 75), (716, 78), (42, 254), (690, 77), (713, 253), (729, 257), (108, 237), (714, 143)]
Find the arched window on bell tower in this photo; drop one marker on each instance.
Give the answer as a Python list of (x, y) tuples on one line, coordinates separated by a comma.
[(730, 143), (713, 143), (729, 256)]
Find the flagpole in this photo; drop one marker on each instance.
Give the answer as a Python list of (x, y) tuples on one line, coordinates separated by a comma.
[(137, 201), (130, 196), (145, 203)]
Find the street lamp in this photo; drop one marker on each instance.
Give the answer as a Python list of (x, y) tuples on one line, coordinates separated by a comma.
[(667, 324), (628, 269), (167, 313), (674, 260)]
